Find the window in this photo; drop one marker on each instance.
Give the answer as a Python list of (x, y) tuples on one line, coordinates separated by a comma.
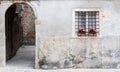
[(86, 22)]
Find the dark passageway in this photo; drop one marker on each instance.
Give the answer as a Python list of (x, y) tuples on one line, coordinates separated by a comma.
[(14, 31), (19, 28)]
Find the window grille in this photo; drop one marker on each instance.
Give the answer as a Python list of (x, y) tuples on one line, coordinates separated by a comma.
[(87, 20)]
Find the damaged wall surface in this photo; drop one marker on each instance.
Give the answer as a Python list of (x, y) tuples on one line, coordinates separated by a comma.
[(58, 49), (55, 46), (66, 52)]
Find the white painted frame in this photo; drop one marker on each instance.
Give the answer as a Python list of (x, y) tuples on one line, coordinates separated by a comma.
[(85, 9)]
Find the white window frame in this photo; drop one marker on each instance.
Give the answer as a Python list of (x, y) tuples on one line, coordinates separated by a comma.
[(86, 9)]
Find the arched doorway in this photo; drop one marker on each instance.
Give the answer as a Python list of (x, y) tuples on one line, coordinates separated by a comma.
[(19, 28)]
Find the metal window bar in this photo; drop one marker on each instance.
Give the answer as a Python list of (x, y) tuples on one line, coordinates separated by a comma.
[(87, 20)]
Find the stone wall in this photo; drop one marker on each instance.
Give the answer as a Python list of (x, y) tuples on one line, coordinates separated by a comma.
[(28, 22), (66, 52)]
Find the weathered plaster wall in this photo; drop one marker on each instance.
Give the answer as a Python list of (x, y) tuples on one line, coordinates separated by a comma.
[(56, 21), (56, 16), (110, 52), (66, 52)]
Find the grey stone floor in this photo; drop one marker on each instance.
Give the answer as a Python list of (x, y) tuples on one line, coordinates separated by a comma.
[(24, 59)]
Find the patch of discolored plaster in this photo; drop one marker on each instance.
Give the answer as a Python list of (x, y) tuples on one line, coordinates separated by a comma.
[(110, 52), (63, 52)]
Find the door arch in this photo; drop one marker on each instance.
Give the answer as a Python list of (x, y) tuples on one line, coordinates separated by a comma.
[(14, 29)]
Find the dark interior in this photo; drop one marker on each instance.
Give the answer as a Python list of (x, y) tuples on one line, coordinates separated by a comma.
[(13, 30)]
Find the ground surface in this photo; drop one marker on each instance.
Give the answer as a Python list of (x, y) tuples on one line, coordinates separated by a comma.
[(24, 59), (60, 70)]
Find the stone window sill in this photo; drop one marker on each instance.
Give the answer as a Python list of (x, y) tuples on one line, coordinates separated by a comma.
[(86, 37)]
